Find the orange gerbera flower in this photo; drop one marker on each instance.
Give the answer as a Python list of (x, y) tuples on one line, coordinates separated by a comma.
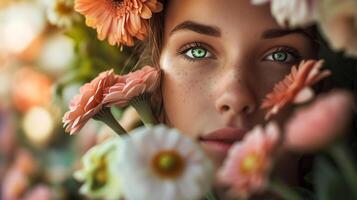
[(118, 20), (295, 87)]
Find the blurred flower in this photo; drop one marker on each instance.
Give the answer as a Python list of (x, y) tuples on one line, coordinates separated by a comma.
[(160, 163), (17, 178), (131, 85), (26, 163), (249, 162), (61, 13), (321, 122), (119, 21), (7, 131), (338, 24), (20, 23), (293, 13), (57, 54), (135, 89), (100, 173), (38, 125), (88, 103), (30, 88), (295, 88), (15, 183), (40, 192)]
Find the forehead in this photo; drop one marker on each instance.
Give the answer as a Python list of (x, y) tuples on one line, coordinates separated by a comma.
[(230, 16)]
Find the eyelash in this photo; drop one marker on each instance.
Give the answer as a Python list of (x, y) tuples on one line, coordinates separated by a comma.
[(183, 50)]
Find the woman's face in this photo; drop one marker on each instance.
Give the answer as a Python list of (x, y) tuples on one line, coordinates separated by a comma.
[(219, 60)]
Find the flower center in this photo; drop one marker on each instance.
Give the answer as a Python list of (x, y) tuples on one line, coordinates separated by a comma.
[(250, 163), (100, 174), (118, 2), (63, 9), (168, 164)]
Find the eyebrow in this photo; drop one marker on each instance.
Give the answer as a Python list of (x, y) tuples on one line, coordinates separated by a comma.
[(274, 33), (198, 28)]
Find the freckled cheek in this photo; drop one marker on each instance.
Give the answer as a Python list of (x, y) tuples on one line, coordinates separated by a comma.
[(186, 97)]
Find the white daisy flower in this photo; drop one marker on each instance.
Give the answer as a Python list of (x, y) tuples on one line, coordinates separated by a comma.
[(160, 163), (292, 13), (99, 172), (61, 13)]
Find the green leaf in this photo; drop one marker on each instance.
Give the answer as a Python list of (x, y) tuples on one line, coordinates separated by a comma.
[(329, 183)]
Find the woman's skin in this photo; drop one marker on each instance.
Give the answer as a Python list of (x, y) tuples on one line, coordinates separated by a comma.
[(220, 59)]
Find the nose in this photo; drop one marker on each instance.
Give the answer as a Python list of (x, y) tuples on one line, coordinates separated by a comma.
[(235, 96)]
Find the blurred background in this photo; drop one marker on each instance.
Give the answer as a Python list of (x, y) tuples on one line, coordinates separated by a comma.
[(46, 54)]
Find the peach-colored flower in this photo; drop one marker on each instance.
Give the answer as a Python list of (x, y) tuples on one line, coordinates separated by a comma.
[(293, 13), (119, 20), (131, 85), (30, 88), (249, 162), (89, 102), (338, 24), (295, 88), (316, 125)]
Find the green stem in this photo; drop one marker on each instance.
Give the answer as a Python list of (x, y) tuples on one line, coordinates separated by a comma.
[(345, 162), (210, 196), (283, 191), (105, 115), (141, 104)]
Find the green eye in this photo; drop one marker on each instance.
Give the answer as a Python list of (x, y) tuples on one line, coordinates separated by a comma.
[(197, 53), (280, 56), (283, 56)]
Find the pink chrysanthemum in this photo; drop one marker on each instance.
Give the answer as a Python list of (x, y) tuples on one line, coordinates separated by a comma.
[(89, 102), (295, 88), (118, 20), (249, 162)]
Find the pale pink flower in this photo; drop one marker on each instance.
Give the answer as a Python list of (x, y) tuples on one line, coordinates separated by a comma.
[(338, 24), (119, 20), (318, 124), (131, 85), (249, 162), (40, 192), (26, 162), (89, 102), (15, 183), (295, 88), (293, 13)]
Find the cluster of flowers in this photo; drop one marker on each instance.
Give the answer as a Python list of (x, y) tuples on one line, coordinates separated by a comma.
[(162, 163)]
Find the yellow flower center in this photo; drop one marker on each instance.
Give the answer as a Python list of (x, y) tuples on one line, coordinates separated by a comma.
[(63, 9), (168, 164), (100, 174), (251, 163)]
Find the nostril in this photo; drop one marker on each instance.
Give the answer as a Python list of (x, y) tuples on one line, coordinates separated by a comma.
[(247, 109), (225, 108)]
